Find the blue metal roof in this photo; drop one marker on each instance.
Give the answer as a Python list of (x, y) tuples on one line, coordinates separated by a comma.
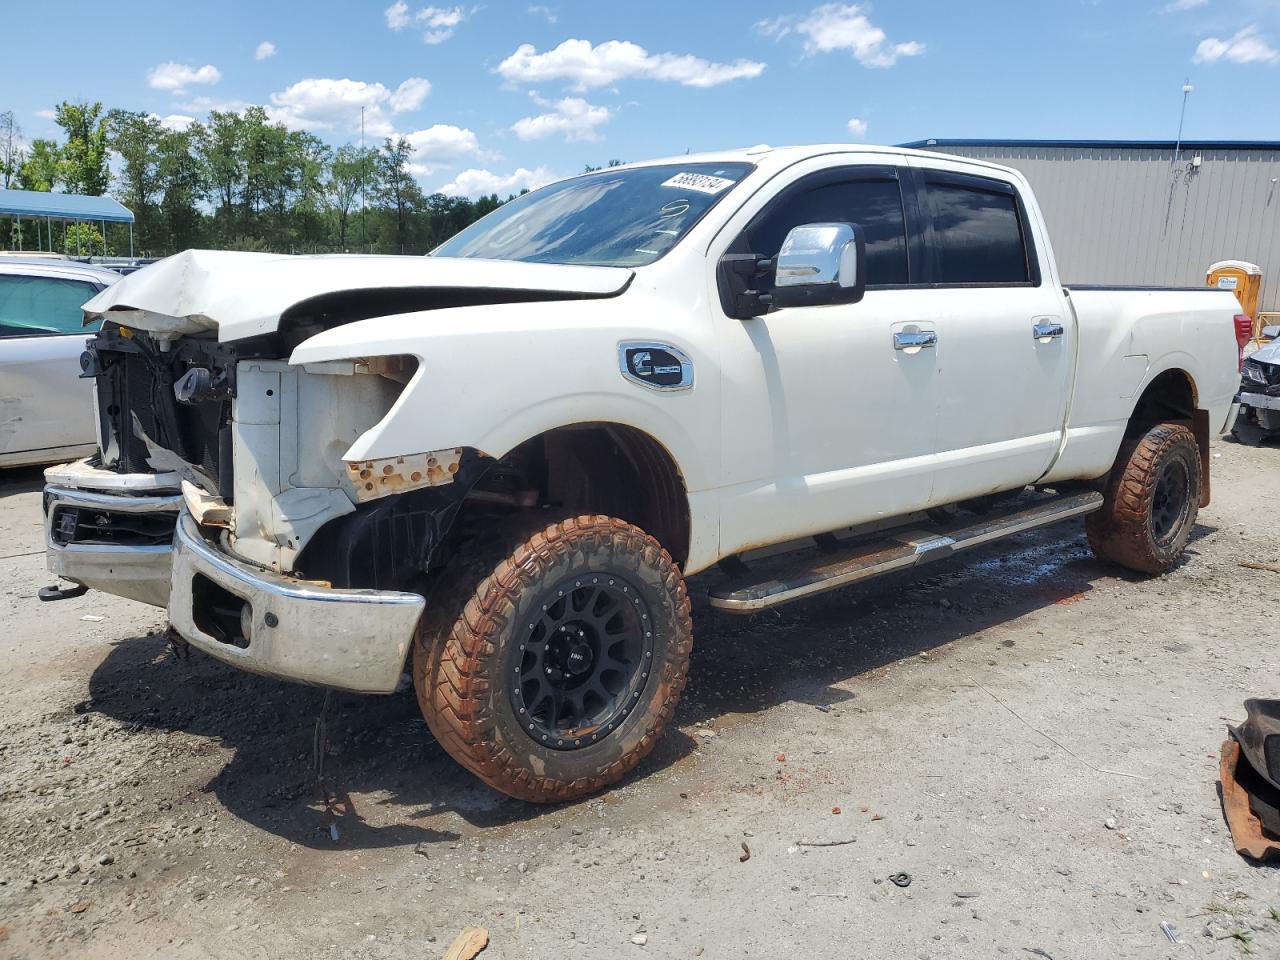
[(1104, 144), (62, 206)]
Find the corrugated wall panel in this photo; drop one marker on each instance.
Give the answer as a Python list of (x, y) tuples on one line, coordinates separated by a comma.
[(1124, 215)]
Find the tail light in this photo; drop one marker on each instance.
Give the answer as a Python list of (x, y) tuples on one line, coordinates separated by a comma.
[(1244, 333)]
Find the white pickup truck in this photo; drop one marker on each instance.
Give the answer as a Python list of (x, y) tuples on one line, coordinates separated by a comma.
[(495, 467)]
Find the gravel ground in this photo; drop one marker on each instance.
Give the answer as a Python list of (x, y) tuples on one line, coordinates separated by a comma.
[(1029, 735)]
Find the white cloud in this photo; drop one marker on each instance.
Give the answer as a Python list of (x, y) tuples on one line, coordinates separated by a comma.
[(1245, 47), (439, 22), (397, 15), (857, 127), (572, 116), (176, 77), (584, 65), (480, 183), (440, 144), (1177, 6), (410, 94), (47, 114), (838, 26), (329, 104), (538, 10), (266, 50), (175, 121), (205, 104)]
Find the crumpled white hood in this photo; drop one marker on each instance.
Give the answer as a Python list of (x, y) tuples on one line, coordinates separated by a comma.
[(244, 294)]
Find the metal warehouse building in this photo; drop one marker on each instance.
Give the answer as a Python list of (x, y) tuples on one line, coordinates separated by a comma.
[(1149, 212)]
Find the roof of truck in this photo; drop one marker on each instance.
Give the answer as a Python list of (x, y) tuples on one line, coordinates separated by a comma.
[(784, 156)]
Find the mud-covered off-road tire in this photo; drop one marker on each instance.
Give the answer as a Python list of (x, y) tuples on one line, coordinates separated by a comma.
[(1139, 527), (478, 615)]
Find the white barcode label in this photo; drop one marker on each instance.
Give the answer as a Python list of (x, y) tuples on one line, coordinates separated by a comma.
[(701, 182)]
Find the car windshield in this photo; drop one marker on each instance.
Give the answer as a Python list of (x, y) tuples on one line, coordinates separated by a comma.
[(614, 218)]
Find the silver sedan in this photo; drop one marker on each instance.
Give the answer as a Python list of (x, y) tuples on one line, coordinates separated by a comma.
[(46, 410)]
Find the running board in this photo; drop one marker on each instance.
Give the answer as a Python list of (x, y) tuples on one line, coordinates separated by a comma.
[(896, 551)]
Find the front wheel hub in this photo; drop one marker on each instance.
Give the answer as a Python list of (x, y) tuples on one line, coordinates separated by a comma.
[(583, 661)]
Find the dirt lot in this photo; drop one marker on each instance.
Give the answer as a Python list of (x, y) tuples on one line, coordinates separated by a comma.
[(1032, 737)]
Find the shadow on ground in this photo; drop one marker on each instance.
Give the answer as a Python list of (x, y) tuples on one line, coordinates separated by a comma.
[(379, 749)]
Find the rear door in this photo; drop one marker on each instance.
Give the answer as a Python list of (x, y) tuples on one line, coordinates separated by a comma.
[(44, 405), (1005, 335)]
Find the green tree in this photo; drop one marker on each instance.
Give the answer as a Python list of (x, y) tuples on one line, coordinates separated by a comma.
[(11, 152), (41, 167), (135, 138), (351, 170), (84, 155), (182, 184), (84, 239), (396, 186)]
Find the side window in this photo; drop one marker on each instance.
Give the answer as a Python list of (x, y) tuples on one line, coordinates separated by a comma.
[(875, 205), (41, 306), (977, 233)]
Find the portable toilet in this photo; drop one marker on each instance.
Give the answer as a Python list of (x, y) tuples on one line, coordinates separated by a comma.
[(1242, 278)]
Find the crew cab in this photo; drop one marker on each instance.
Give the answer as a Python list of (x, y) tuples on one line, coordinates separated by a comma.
[(496, 466)]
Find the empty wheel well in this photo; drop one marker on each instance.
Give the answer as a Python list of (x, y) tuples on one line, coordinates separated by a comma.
[(588, 468), (1170, 396)]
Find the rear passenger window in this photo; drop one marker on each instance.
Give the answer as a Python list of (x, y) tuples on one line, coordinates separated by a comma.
[(874, 205), (40, 306), (977, 235)]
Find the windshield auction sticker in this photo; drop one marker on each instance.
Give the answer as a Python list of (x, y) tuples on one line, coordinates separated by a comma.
[(701, 182)]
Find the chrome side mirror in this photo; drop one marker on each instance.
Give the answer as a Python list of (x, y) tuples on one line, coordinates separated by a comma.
[(820, 263)]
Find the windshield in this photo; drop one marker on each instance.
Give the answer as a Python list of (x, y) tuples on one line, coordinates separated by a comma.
[(614, 218)]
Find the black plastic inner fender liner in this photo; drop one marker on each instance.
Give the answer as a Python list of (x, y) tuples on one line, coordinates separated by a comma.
[(387, 542)]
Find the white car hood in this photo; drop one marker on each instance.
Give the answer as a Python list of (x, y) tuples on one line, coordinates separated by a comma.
[(245, 294), (1267, 353)]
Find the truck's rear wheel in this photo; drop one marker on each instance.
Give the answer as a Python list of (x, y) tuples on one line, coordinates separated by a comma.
[(549, 663), (1152, 499)]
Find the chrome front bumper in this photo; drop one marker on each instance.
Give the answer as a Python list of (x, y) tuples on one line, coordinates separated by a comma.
[(139, 572), (1259, 401), (297, 630)]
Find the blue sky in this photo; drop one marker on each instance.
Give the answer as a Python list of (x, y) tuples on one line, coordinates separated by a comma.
[(501, 95)]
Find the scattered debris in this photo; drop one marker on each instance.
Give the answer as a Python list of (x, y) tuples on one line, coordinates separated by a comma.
[(836, 811), (92, 618), (1246, 828), (1039, 953), (825, 843), (80, 906), (422, 849), (1249, 564), (333, 832), (1110, 823), (1169, 932), (467, 944), (967, 894), (900, 879), (781, 758), (640, 939), (746, 853), (824, 707)]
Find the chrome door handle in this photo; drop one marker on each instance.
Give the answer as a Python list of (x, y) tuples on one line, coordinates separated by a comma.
[(924, 338), (1042, 331)]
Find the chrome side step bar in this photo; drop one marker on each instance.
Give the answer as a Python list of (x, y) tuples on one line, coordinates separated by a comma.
[(895, 551)]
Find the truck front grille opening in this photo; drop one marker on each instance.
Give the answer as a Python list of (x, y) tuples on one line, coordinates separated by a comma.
[(88, 525), (219, 613)]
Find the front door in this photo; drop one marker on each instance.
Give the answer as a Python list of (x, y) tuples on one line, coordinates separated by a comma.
[(828, 417)]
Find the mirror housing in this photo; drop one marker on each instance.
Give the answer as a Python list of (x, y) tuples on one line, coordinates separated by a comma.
[(1270, 332), (820, 263)]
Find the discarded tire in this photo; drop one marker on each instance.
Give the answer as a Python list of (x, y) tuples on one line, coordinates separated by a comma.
[(549, 663), (1152, 499)]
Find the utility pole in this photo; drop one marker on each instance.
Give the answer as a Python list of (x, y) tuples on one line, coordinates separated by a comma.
[(364, 162)]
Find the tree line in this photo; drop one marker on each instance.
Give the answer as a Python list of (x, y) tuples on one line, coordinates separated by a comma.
[(236, 181)]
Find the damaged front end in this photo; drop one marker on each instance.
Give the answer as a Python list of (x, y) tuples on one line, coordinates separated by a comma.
[(221, 491)]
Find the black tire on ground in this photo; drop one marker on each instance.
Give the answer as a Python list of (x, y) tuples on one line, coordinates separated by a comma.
[(1152, 499), (550, 661)]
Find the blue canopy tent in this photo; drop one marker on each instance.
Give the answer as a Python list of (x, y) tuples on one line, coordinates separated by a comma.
[(68, 207)]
